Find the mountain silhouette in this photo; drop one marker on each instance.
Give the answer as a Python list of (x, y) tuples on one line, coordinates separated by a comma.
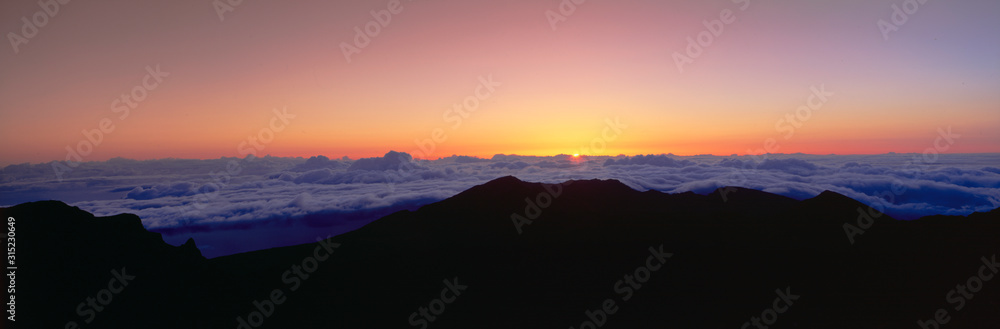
[(65, 255), (514, 254)]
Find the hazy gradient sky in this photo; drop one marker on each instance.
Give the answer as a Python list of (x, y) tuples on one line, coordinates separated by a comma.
[(608, 59)]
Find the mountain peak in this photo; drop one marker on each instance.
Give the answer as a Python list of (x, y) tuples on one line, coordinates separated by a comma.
[(831, 195), (505, 180), (833, 199), (834, 206)]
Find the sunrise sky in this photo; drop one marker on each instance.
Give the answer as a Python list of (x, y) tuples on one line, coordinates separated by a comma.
[(557, 88)]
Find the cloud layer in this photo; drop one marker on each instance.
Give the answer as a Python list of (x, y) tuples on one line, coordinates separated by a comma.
[(174, 195)]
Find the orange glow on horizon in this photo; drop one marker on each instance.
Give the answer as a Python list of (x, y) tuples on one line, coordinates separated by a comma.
[(420, 89)]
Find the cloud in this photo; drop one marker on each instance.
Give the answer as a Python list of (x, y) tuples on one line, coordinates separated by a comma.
[(320, 162), (391, 161), (509, 165), (159, 191), (173, 194), (652, 160)]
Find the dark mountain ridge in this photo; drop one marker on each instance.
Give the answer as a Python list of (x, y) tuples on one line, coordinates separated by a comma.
[(533, 256)]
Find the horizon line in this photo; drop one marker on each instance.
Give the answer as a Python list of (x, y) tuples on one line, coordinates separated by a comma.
[(5, 164)]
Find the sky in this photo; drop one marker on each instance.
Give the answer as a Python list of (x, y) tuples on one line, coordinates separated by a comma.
[(204, 80)]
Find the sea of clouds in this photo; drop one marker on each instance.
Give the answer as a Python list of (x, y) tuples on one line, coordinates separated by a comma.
[(179, 195)]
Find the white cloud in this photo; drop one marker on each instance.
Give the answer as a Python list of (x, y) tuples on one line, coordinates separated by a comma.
[(168, 193)]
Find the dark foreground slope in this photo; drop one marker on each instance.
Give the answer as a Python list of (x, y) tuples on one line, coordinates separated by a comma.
[(594, 251), (77, 270)]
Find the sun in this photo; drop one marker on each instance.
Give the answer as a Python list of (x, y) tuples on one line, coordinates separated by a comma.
[(576, 155)]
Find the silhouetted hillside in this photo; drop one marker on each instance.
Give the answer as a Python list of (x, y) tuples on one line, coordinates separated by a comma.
[(528, 255), (66, 257)]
